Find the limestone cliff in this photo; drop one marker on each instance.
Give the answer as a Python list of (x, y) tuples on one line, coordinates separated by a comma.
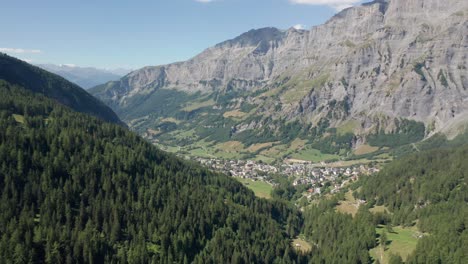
[(379, 61)]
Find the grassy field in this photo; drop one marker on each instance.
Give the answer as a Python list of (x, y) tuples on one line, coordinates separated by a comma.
[(402, 242), (313, 155), (234, 113), (347, 163), (349, 205), (167, 148), (170, 119), (261, 189), (378, 209), (365, 149), (265, 159), (300, 244), (201, 152), (179, 134), (230, 146), (257, 147), (19, 118), (275, 151), (198, 105), (347, 127), (297, 144)]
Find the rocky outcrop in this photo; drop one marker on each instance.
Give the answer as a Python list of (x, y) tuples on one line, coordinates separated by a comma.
[(395, 58)]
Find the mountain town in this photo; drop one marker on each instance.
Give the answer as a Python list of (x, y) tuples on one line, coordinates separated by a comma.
[(305, 173)]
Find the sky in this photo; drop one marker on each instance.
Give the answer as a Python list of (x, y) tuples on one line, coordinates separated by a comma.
[(135, 33)]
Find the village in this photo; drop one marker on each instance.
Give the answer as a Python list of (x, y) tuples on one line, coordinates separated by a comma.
[(316, 175)]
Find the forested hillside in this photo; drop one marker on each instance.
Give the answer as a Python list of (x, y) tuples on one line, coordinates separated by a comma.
[(53, 86), (428, 189), (76, 189), (336, 237)]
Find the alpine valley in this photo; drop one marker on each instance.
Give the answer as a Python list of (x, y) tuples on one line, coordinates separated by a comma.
[(375, 101), (374, 77)]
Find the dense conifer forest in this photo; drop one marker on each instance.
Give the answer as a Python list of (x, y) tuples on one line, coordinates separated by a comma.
[(76, 189), (337, 237), (427, 189)]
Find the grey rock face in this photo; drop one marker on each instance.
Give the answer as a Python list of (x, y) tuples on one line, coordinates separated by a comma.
[(395, 58)]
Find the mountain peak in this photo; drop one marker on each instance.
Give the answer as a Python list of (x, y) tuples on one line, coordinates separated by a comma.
[(254, 37)]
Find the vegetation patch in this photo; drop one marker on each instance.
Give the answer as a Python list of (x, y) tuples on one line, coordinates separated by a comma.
[(301, 245), (260, 188), (365, 149), (443, 80), (297, 144), (408, 131), (348, 127), (275, 151), (230, 146), (198, 105), (265, 159), (314, 155), (378, 209), (348, 163), (170, 119), (348, 43), (298, 87), (401, 241), (19, 118), (418, 68), (234, 113), (260, 146)]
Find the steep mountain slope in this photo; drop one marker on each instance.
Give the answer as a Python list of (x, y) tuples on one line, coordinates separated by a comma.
[(85, 77), (37, 80), (75, 189), (367, 70)]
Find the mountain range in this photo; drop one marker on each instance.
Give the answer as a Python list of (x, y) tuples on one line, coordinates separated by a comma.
[(385, 68), (85, 77)]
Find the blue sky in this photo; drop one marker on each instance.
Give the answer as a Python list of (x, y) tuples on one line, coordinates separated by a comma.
[(132, 34)]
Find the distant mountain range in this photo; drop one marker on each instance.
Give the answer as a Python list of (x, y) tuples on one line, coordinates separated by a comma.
[(85, 77), (32, 78), (384, 73)]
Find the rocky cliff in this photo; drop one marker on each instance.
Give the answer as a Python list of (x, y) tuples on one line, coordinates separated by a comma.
[(370, 65)]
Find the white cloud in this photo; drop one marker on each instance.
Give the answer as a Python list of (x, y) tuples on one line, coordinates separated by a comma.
[(300, 27), (28, 60), (68, 65), (336, 4), (19, 51)]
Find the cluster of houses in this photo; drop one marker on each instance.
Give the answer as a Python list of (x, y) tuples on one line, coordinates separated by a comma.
[(334, 178), (240, 168), (315, 175)]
